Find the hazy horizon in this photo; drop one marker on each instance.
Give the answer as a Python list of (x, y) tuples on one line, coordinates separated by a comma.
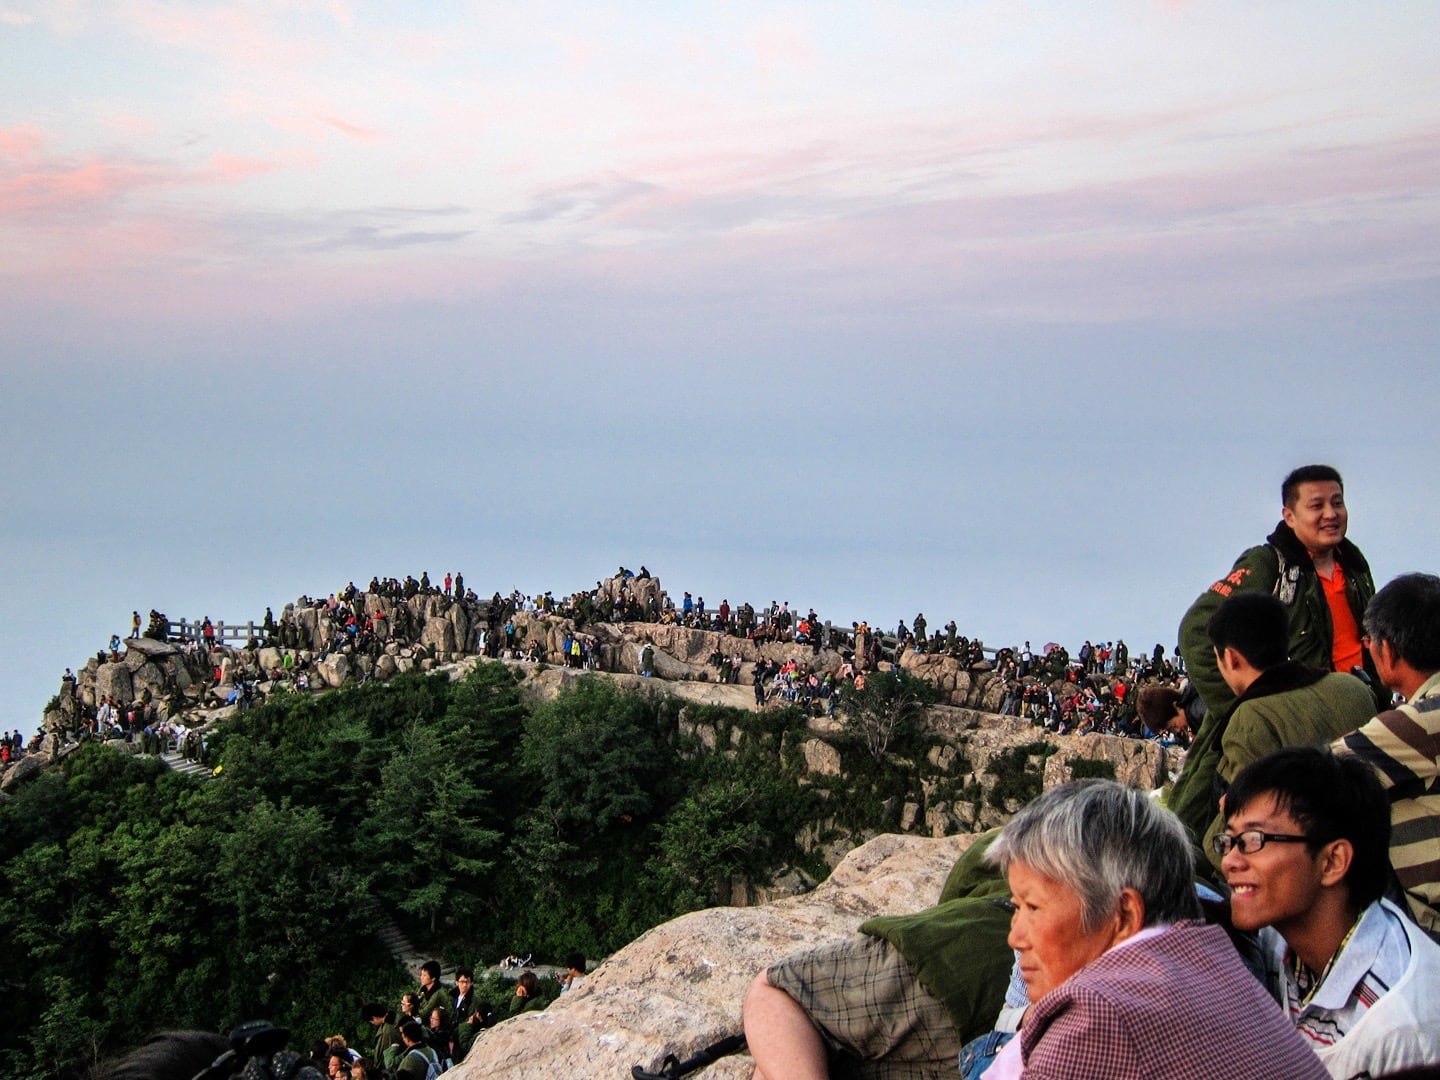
[(1013, 315)]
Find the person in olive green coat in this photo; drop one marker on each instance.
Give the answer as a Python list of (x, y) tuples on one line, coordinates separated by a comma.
[(1307, 545), (1278, 703), (387, 1032), (432, 991), (527, 994), (902, 996)]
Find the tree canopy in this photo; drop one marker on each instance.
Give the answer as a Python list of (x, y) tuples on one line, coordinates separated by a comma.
[(137, 899)]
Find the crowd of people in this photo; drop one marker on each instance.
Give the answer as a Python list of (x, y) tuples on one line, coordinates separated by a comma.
[(433, 1027), (1285, 892), (1094, 693)]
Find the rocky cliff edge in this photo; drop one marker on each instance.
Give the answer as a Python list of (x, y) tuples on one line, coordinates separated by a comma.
[(679, 987)]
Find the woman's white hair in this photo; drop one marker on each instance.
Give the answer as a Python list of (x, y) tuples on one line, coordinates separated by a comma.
[(1097, 838)]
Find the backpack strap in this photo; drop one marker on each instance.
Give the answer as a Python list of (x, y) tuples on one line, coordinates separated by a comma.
[(1287, 578)]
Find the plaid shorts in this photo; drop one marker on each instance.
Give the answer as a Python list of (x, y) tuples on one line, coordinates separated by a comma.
[(875, 1017)]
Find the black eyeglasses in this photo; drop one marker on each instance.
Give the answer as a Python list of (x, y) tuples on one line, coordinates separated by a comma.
[(1252, 841)]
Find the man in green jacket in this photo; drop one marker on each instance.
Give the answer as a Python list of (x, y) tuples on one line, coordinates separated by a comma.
[(1309, 566), (432, 991), (1278, 703)]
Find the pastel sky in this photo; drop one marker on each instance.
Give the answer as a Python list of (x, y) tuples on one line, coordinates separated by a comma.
[(1010, 312)]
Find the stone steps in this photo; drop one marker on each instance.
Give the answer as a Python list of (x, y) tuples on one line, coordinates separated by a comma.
[(178, 763), (394, 939)]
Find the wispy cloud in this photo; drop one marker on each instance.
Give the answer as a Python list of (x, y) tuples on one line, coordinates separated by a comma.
[(581, 201), (376, 238), (354, 131)]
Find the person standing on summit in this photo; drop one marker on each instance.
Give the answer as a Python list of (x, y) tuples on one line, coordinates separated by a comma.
[(1308, 564)]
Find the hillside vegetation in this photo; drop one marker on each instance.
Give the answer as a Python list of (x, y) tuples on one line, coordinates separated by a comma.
[(135, 898)]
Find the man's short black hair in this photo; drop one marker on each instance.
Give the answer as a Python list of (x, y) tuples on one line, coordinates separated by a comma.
[(1406, 613), (1331, 798), (1307, 474), (465, 973), (1254, 624), (431, 968), (575, 961), (410, 1031)]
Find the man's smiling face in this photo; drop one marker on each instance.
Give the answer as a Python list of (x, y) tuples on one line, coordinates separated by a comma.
[(1277, 885)]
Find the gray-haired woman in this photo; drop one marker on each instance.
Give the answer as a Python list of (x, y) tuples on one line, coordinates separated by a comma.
[(1124, 979)]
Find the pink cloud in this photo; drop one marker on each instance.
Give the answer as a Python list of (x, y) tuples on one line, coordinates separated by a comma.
[(19, 142), (228, 169), (69, 187), (355, 131), (39, 188)]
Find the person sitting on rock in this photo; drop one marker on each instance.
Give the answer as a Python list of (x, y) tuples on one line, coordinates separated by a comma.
[(898, 999), (527, 994)]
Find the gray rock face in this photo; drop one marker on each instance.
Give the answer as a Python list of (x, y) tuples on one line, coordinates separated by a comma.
[(18, 772), (439, 634), (148, 678), (460, 625), (821, 758), (679, 987), (113, 681), (151, 648), (334, 669)]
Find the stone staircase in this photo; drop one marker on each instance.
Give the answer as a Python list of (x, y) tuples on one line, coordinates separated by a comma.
[(394, 939), (178, 763)]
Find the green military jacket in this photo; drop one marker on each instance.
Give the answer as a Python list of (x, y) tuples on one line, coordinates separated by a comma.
[(1310, 715), (439, 994), (1280, 566), (1290, 704)]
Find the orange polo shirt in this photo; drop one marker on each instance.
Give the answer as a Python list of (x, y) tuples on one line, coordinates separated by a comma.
[(1345, 649)]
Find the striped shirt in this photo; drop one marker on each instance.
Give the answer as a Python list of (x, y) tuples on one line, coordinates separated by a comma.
[(1403, 746)]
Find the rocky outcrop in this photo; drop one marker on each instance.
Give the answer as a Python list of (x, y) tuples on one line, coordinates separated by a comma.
[(969, 686), (678, 987)]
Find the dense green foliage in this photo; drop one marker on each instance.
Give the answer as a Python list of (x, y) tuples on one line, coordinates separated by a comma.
[(137, 899), (1091, 769), (1016, 779)]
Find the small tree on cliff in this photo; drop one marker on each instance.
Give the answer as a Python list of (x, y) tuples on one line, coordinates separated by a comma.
[(887, 711)]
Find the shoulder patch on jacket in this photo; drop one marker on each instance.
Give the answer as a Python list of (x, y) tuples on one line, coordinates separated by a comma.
[(1231, 581)]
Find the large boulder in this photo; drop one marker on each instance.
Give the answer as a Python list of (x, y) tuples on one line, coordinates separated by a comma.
[(151, 648), (17, 772), (460, 622), (112, 680), (678, 987), (334, 669), (148, 677), (1137, 762), (439, 634)]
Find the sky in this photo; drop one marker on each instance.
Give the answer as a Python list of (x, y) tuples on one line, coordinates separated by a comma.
[(1010, 313)]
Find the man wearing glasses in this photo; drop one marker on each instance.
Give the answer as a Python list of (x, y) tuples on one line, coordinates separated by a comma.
[(1402, 636), (1305, 853)]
